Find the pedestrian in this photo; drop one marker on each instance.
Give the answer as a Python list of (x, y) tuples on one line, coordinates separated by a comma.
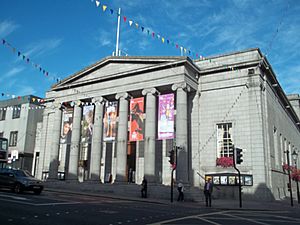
[(144, 188), (180, 191), (208, 189)]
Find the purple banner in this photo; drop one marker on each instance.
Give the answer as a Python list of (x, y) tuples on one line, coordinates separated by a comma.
[(166, 117)]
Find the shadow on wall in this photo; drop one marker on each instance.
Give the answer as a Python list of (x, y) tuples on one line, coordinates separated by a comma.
[(261, 193)]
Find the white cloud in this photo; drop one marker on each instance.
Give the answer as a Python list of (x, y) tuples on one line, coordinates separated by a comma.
[(42, 47), (7, 27), (12, 73), (104, 38)]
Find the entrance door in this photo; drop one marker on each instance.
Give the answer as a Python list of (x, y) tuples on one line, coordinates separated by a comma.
[(131, 158)]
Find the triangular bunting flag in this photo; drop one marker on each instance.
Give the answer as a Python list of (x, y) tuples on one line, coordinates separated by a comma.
[(142, 29), (104, 7), (163, 40), (124, 18), (97, 3), (111, 11), (153, 34), (3, 41), (130, 22), (137, 25)]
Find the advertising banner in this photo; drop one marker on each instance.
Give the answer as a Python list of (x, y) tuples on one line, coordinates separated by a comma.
[(136, 129), (110, 121), (166, 117), (65, 138), (87, 124), (66, 128)]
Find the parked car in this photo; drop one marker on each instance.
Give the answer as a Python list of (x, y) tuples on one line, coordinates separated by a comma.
[(19, 180)]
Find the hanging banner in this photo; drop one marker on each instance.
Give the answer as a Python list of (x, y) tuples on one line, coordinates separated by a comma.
[(166, 117), (66, 128), (87, 124), (110, 121), (136, 129), (65, 138)]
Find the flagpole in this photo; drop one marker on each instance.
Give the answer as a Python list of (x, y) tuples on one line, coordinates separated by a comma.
[(118, 33)]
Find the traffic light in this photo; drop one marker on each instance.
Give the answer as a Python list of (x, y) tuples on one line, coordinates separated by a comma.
[(172, 157), (239, 155)]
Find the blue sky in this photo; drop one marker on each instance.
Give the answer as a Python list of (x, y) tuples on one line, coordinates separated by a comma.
[(64, 36)]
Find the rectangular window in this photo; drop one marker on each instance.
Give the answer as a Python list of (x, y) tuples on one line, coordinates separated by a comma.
[(224, 140), (2, 113), (13, 138), (16, 111)]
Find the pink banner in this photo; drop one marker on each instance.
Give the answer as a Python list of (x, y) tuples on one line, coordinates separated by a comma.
[(136, 132), (166, 117)]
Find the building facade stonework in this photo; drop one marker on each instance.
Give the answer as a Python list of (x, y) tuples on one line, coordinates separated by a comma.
[(112, 113)]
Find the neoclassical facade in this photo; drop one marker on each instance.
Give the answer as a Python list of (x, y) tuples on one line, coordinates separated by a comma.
[(116, 121)]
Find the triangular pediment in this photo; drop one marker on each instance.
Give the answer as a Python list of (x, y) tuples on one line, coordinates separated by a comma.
[(112, 67)]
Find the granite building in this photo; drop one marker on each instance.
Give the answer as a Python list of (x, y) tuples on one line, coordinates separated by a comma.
[(117, 120), (18, 123)]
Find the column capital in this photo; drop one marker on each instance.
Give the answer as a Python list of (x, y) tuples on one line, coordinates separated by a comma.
[(55, 105), (99, 100), (124, 95), (183, 85), (150, 91)]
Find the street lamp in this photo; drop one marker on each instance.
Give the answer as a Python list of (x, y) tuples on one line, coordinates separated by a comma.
[(295, 157), (289, 174)]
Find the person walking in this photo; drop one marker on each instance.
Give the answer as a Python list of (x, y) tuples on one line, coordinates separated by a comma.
[(208, 189), (180, 192), (144, 188)]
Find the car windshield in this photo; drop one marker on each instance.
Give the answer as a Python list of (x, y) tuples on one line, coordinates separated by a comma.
[(22, 173)]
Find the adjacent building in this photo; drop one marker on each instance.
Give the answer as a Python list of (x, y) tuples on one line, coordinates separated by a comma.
[(118, 119), (18, 123)]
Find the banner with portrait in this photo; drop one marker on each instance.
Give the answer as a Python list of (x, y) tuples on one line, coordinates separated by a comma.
[(110, 121), (65, 138), (166, 117), (87, 124), (136, 129), (66, 128)]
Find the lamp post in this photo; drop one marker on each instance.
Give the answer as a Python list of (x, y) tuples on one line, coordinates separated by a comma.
[(289, 174), (295, 157)]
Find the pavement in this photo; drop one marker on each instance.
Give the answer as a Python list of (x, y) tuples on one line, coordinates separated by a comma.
[(92, 189)]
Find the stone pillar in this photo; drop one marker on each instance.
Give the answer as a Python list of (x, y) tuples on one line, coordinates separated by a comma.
[(75, 139), (122, 137), (95, 164), (181, 131), (45, 151), (53, 168), (150, 128)]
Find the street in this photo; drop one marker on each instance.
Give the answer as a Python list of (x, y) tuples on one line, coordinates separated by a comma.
[(64, 208)]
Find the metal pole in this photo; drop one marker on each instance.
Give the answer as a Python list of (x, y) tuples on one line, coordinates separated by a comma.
[(239, 174), (172, 184), (297, 183), (289, 174), (118, 33)]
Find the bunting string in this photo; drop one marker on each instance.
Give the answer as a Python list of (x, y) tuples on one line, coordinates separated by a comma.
[(29, 61), (164, 40)]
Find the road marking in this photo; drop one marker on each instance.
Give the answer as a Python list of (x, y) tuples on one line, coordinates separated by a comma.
[(208, 221), (198, 216), (251, 220), (56, 203), (14, 197)]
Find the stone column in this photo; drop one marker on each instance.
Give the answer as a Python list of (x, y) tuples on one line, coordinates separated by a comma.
[(45, 151), (181, 131), (122, 137), (95, 164), (53, 167), (75, 139), (150, 128)]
